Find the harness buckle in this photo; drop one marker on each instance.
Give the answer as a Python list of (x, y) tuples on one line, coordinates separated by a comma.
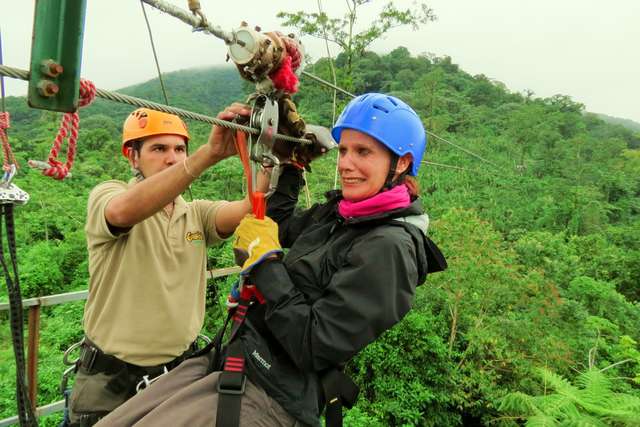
[(88, 356), (230, 389)]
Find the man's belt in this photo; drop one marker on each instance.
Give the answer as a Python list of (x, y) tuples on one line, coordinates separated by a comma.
[(93, 360)]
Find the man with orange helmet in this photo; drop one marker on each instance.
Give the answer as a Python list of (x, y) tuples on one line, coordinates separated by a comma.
[(147, 260)]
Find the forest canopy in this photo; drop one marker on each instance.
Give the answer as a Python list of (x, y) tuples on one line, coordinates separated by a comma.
[(541, 229)]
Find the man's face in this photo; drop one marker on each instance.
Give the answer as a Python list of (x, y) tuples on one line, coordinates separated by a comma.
[(158, 153)]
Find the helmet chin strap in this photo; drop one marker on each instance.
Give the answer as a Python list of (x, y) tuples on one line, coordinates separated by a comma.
[(137, 173), (389, 182)]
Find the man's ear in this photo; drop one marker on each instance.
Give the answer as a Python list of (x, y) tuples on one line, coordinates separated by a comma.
[(403, 163), (133, 157)]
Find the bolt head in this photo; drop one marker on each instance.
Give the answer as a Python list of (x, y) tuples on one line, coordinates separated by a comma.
[(51, 68), (47, 88), (56, 69)]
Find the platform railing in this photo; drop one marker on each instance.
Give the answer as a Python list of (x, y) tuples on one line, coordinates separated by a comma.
[(34, 305)]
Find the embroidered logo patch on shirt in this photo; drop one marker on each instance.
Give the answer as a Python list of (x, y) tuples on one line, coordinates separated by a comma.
[(195, 237)]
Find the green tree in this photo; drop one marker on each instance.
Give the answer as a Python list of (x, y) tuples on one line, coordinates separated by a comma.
[(342, 31), (592, 401)]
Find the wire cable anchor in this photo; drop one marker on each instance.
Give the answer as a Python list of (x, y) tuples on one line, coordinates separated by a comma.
[(9, 192)]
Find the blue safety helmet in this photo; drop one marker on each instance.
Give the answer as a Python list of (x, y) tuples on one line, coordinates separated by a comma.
[(387, 119)]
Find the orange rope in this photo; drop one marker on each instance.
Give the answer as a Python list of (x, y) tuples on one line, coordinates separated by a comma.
[(258, 202)]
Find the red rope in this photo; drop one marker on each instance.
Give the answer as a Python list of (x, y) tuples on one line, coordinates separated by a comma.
[(69, 126), (8, 157), (284, 78)]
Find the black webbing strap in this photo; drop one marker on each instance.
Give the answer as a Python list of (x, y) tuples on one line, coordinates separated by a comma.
[(215, 347), (339, 390), (232, 381), (231, 386), (26, 415)]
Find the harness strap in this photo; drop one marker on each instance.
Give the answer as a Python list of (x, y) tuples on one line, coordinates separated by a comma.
[(231, 386), (26, 414), (232, 381)]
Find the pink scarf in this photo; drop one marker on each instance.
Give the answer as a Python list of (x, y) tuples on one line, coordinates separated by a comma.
[(395, 198)]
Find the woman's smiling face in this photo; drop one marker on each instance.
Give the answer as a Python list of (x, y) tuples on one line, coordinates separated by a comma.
[(363, 165)]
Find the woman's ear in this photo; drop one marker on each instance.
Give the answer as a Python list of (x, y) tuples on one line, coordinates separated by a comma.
[(403, 163)]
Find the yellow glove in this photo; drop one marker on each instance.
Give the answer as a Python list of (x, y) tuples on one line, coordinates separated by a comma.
[(256, 240)]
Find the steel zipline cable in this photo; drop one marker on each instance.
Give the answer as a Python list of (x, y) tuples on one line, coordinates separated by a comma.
[(198, 22), (139, 102)]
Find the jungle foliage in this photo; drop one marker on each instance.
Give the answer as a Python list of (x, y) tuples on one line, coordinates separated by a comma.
[(539, 311)]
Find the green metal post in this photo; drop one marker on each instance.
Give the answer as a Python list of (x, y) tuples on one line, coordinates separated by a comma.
[(56, 54)]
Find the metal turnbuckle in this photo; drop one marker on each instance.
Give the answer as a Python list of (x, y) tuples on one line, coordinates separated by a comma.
[(10, 193)]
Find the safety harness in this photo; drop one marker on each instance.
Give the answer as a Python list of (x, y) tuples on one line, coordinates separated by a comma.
[(127, 377), (338, 388)]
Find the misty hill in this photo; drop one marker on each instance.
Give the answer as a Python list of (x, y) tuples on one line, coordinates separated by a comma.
[(541, 226), (627, 123)]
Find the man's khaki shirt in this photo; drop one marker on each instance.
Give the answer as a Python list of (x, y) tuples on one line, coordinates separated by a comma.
[(147, 285)]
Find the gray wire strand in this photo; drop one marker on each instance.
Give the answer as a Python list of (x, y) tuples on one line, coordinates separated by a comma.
[(471, 153), (326, 83), (427, 162), (155, 55), (139, 102), (197, 22), (334, 85)]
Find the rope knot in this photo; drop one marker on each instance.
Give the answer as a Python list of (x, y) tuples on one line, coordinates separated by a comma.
[(8, 158), (69, 126), (293, 50), (5, 122), (87, 92), (57, 170), (284, 78)]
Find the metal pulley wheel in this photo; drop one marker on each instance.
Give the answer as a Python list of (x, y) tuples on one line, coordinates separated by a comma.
[(257, 54)]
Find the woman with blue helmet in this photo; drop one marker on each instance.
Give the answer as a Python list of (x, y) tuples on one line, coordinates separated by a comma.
[(350, 273)]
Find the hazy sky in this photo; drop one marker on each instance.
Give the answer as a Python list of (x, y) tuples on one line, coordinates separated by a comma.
[(583, 48)]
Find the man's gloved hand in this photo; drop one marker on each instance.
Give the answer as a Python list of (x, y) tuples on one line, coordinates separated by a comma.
[(323, 142), (256, 240), (292, 124)]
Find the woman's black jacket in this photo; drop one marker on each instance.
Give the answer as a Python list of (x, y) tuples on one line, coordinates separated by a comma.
[(340, 286)]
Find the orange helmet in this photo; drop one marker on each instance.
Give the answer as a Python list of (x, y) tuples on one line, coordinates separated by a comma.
[(144, 122)]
